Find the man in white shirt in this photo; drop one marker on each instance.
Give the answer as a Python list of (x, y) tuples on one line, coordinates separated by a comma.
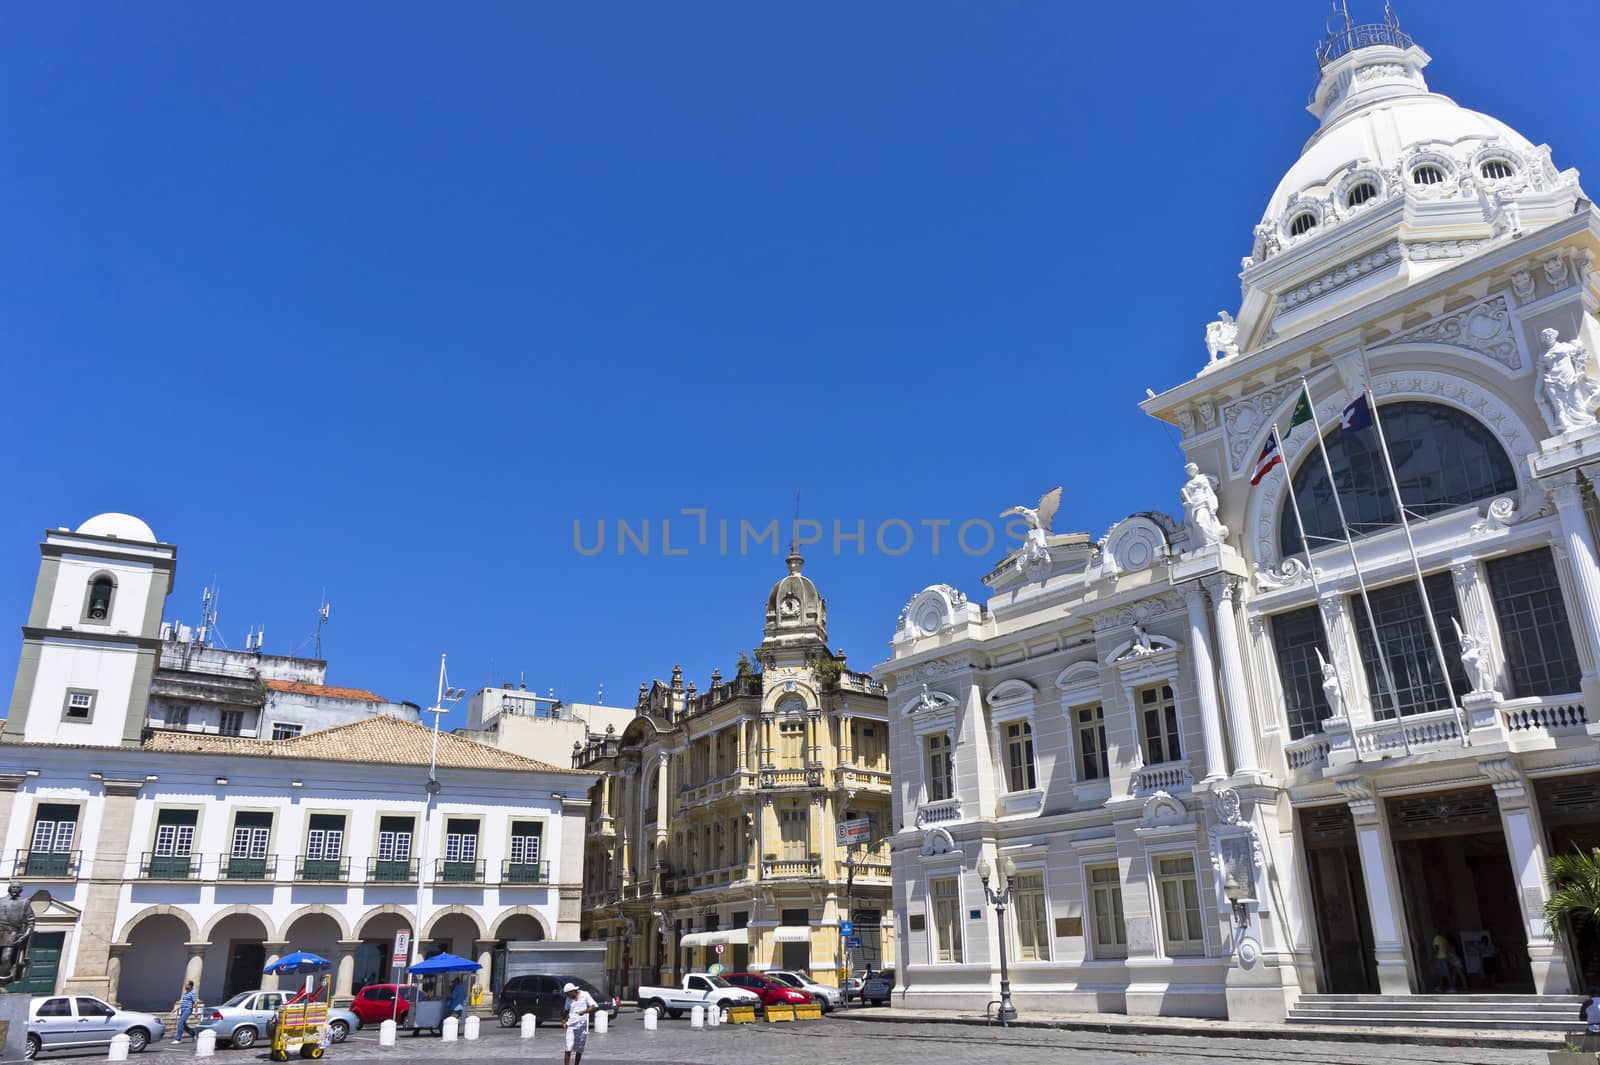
[(580, 1006)]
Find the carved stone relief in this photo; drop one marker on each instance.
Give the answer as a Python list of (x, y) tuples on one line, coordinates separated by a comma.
[(1483, 328)]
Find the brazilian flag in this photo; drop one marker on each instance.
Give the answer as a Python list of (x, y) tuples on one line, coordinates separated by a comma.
[(1302, 410)]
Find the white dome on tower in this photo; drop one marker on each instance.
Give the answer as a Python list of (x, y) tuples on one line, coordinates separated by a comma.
[(119, 526)]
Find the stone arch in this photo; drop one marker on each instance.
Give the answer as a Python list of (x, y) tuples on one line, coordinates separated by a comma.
[(504, 923), (387, 909), (439, 915), (241, 909), (317, 909), (161, 911)]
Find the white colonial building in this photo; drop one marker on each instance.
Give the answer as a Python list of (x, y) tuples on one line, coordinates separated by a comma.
[(177, 846), (1202, 819)]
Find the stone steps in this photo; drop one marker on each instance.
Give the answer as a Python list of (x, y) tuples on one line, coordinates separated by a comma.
[(1488, 1012)]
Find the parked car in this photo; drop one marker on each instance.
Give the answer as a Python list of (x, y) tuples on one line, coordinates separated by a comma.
[(829, 997), (377, 1003), (62, 1022), (875, 989), (699, 989), (852, 987), (247, 1017), (541, 996), (771, 992)]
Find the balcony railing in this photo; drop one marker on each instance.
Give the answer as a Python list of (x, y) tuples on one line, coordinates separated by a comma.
[(1168, 776), (1351, 38), (524, 872), (168, 866), (855, 777), (392, 871), (243, 867), (931, 813), (1544, 715), (52, 865), (321, 870), (1417, 730), (810, 777), (458, 872), (1308, 752), (791, 869)]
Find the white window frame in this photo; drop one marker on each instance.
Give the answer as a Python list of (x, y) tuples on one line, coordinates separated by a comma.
[(1044, 947), (1081, 686), (56, 836), (936, 947), (1098, 950), (1194, 945), (276, 725), (948, 778)]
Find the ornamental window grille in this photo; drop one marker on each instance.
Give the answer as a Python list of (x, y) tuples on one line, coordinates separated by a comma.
[(1302, 223), (1541, 658), (1297, 638), (1405, 643), (1427, 174), (1360, 193), (1496, 169)]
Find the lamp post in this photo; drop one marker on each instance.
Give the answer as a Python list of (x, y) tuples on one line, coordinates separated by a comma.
[(443, 701), (1000, 900)]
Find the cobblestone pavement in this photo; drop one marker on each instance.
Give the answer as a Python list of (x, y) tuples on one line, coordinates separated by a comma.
[(827, 1041)]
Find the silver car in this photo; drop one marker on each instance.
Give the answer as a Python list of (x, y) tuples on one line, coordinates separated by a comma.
[(827, 997), (62, 1022), (248, 1017)]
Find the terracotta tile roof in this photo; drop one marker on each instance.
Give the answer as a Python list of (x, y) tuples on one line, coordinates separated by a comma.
[(300, 687), (381, 739)]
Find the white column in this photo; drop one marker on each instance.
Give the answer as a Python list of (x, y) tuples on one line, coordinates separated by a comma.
[(1382, 882), (1567, 493), (1205, 684), (1240, 727), (1519, 817)]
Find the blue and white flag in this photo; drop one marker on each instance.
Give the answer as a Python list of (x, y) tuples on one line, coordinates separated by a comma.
[(1357, 415)]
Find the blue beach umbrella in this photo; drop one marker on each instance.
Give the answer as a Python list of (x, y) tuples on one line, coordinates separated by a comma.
[(445, 963), (299, 962)]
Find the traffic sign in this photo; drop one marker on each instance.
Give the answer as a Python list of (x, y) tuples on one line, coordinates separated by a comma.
[(847, 928), (856, 830), (720, 949), (853, 942), (402, 946)]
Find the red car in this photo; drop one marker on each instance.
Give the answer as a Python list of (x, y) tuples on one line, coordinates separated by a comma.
[(772, 993), (376, 1003)]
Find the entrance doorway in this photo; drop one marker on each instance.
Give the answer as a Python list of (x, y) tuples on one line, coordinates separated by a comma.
[(1347, 964), (44, 962), (1570, 810), (245, 962), (1456, 882)]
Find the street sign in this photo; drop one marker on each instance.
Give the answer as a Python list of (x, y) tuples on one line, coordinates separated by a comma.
[(852, 832), (402, 946), (720, 949), (853, 942), (715, 970), (847, 928)]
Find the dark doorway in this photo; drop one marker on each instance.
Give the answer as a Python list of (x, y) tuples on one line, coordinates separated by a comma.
[(1570, 810), (245, 962), (1347, 962), (795, 956), (44, 962), (1456, 881)]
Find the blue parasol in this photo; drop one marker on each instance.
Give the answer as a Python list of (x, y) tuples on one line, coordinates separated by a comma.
[(299, 962), (445, 963)]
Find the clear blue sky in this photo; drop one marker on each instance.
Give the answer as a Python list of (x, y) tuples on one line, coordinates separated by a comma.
[(379, 298)]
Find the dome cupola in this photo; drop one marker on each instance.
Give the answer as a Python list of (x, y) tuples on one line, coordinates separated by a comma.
[(796, 612)]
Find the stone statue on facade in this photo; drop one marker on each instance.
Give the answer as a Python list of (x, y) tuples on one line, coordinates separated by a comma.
[(1500, 210), (1034, 557), (1141, 641), (1200, 506), (1332, 690), (1567, 394), (1473, 660), (1222, 337), (16, 933)]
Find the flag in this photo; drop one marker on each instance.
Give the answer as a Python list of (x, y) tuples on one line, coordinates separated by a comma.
[(1302, 410), (1357, 415), (1270, 457)]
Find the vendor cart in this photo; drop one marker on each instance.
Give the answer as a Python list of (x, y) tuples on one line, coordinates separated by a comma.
[(303, 1023), (431, 1013)]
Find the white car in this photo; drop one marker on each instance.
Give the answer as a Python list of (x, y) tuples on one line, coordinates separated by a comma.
[(699, 989), (829, 997), (73, 1022)]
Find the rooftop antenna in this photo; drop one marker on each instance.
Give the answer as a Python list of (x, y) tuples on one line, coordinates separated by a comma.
[(600, 696), (794, 530), (253, 639), (208, 616), (322, 619)]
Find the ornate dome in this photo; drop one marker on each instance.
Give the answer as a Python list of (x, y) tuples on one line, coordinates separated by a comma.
[(795, 607), (120, 527)]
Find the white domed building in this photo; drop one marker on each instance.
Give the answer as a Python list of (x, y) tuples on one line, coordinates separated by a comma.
[(1226, 776)]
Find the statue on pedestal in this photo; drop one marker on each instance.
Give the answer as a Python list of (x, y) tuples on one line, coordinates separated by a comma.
[(1222, 337), (1473, 659), (1567, 394), (1200, 504), (16, 933), (1034, 557), (1332, 690)]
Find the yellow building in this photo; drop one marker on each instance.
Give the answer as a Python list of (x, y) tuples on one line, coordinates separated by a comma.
[(717, 832)]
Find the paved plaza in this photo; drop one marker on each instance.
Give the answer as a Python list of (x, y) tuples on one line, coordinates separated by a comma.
[(832, 1040)]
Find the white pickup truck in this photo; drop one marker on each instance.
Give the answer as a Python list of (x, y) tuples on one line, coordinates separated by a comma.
[(699, 989)]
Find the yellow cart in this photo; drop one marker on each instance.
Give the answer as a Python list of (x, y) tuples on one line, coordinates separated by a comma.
[(303, 1025)]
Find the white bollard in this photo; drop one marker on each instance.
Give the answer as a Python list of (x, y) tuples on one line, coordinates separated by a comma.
[(697, 1017), (650, 1019), (714, 1018), (205, 1044), (470, 1029), (386, 1032), (602, 1021), (530, 1024), (119, 1048), (449, 1030)]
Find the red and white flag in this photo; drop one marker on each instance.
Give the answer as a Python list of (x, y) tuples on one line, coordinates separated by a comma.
[(1271, 455)]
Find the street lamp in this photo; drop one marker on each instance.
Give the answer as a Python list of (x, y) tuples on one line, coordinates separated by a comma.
[(1240, 900), (446, 698), (1000, 900)]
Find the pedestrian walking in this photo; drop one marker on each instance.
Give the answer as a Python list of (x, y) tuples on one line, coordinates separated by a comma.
[(458, 999), (580, 1006), (1589, 1014), (186, 1006)]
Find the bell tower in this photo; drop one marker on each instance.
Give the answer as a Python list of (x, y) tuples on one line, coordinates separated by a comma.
[(93, 635)]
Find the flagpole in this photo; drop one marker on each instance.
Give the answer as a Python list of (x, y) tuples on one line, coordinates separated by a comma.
[(1416, 563), (1355, 563)]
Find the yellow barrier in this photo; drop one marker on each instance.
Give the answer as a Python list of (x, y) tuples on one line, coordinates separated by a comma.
[(812, 1012), (779, 1013), (741, 1014)]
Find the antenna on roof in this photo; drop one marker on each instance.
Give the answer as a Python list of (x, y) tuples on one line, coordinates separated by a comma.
[(600, 696), (322, 619), (208, 616), (253, 639), (794, 530)]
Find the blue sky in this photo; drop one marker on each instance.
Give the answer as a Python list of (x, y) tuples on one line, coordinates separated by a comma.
[(381, 298)]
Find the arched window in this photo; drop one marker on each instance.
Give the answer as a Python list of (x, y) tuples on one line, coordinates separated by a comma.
[(97, 601), (1360, 194), (1442, 459), (1302, 223)]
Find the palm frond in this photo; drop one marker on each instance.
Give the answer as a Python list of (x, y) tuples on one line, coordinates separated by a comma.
[(1574, 883)]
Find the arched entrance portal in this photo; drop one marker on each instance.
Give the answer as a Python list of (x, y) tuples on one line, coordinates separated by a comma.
[(377, 933), (237, 954), (154, 966), (513, 928)]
